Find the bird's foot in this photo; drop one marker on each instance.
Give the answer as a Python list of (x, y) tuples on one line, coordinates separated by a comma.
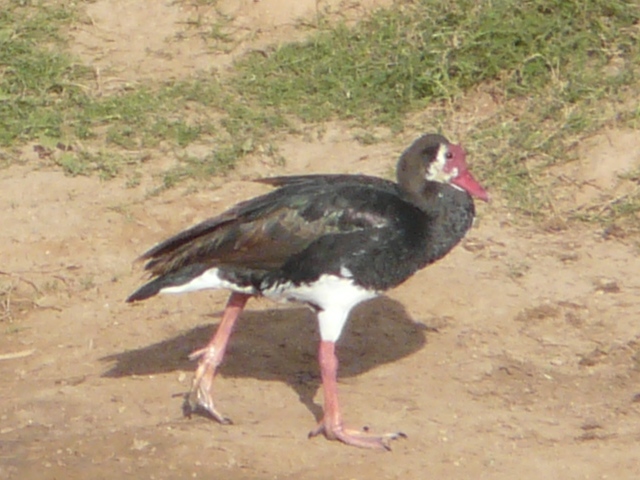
[(200, 403), (199, 399), (356, 438)]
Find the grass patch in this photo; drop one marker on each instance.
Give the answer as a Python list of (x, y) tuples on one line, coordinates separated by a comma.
[(45, 96), (35, 77), (619, 213), (106, 165), (561, 70), (543, 129), (404, 58)]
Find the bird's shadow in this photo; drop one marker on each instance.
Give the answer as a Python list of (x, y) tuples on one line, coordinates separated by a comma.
[(281, 345)]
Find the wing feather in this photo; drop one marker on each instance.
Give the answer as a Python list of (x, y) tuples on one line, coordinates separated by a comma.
[(264, 232)]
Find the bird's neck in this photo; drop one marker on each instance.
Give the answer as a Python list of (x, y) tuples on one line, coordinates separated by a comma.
[(449, 212)]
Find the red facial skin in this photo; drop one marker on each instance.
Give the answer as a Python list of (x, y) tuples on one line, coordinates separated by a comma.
[(463, 179)]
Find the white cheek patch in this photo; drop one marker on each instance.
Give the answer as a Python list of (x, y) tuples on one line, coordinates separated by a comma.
[(436, 173), (345, 272), (437, 166)]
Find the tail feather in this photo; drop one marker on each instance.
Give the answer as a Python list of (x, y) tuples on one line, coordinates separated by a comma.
[(148, 290), (152, 288)]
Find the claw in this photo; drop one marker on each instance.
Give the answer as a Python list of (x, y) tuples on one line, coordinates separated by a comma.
[(331, 425), (199, 399), (193, 405)]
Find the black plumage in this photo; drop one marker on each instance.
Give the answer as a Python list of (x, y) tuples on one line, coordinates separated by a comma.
[(316, 225), (318, 236)]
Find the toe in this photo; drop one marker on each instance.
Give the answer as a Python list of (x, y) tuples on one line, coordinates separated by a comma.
[(357, 438)]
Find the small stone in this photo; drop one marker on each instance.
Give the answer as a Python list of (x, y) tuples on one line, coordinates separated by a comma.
[(139, 444), (607, 285), (591, 425), (473, 245)]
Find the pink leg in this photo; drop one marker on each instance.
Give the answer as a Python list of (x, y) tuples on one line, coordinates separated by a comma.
[(331, 424), (211, 356)]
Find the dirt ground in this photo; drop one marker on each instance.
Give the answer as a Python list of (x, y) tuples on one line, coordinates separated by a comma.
[(517, 356)]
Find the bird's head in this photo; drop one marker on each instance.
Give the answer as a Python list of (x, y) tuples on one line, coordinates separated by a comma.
[(432, 158)]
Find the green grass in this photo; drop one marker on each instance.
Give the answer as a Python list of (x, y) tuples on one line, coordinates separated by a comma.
[(561, 70), (620, 214), (516, 147), (47, 97), (34, 79), (405, 58), (544, 59)]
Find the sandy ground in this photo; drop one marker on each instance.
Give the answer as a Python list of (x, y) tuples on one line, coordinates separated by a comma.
[(517, 356)]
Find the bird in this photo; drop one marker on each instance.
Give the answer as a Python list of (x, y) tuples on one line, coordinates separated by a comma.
[(329, 241)]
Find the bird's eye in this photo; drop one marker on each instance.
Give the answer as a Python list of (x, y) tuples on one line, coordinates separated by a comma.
[(448, 155)]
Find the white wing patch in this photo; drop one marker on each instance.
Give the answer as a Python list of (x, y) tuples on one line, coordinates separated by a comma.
[(436, 171), (333, 295), (208, 280)]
